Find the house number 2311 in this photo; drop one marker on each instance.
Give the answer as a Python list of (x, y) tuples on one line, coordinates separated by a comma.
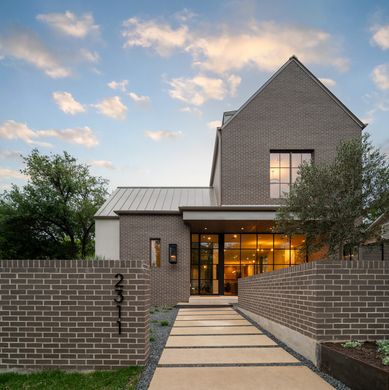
[(119, 299)]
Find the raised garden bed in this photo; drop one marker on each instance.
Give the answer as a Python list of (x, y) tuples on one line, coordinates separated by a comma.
[(359, 368)]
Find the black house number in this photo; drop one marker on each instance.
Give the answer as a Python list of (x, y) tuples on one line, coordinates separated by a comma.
[(119, 299)]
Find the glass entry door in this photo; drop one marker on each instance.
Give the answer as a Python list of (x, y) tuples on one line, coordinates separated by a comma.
[(205, 264)]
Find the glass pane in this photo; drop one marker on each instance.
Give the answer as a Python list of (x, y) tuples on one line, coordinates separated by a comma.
[(280, 266), (306, 157), (231, 271), (265, 258), (281, 257), (248, 256), (194, 256), (230, 287), (284, 175), (231, 241), (294, 174), (281, 241), (249, 241), (194, 272), (267, 268), (298, 241), (209, 240), (205, 271), (284, 160), (206, 256), (296, 160), (194, 287), (206, 287), (265, 241), (274, 175), (284, 189), (297, 257), (248, 270), (155, 253), (232, 256), (274, 191), (274, 160)]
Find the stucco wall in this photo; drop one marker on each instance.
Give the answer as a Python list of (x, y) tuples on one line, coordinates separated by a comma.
[(292, 112), (170, 283), (107, 238), (62, 314)]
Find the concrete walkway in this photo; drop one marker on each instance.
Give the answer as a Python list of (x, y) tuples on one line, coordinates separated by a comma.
[(216, 348)]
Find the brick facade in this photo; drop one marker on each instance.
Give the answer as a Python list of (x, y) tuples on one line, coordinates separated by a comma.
[(170, 283), (326, 300), (61, 314), (291, 112)]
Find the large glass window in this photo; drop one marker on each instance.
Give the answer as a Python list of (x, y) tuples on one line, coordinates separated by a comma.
[(155, 252), (284, 168)]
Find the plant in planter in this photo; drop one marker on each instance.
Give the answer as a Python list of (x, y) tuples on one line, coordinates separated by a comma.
[(352, 344), (383, 348)]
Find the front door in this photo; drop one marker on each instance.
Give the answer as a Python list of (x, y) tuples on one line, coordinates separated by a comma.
[(205, 271)]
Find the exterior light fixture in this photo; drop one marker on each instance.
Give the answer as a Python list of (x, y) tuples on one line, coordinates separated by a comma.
[(173, 253)]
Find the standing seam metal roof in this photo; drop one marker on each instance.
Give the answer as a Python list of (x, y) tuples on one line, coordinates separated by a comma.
[(155, 199)]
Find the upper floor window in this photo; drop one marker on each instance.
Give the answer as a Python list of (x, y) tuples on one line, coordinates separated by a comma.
[(283, 170)]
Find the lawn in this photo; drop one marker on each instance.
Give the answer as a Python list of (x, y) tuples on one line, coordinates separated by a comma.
[(120, 379)]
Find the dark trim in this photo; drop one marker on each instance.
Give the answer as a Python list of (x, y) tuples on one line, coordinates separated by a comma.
[(114, 217), (230, 208), (146, 212)]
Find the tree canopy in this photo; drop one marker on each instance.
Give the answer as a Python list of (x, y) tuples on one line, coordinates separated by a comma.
[(334, 203), (52, 215)]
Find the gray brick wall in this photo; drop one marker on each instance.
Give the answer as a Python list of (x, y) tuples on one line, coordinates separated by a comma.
[(292, 112), (61, 314), (327, 300), (170, 283)]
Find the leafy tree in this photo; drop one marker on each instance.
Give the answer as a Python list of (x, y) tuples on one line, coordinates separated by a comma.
[(52, 215), (333, 204)]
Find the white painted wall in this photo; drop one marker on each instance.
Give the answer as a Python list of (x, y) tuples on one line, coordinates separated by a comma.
[(107, 238)]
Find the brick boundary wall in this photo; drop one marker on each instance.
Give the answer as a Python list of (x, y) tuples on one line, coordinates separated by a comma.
[(62, 314), (326, 300)]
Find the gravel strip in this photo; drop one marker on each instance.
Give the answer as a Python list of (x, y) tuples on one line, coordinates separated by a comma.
[(329, 379), (160, 335)]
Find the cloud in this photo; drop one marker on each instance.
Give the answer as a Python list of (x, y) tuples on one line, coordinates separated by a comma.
[(199, 89), (214, 124), (26, 46), (102, 164), (112, 107), (379, 102), (159, 135), (70, 24), (380, 76), (161, 37), (139, 99), (193, 110), (120, 85), (329, 83), (261, 45), (89, 56), (184, 15), (12, 130), (381, 36), (67, 103), (11, 174), (81, 136), (6, 154)]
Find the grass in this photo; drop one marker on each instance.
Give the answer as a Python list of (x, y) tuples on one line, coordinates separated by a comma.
[(120, 379)]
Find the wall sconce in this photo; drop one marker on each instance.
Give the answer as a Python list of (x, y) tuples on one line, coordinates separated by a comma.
[(173, 253)]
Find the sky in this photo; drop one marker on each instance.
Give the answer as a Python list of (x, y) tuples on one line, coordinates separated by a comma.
[(136, 89)]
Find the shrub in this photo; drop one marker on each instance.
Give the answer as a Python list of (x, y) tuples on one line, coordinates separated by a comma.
[(352, 344), (164, 323)]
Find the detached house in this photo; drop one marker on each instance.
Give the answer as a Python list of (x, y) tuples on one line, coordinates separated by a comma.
[(200, 240)]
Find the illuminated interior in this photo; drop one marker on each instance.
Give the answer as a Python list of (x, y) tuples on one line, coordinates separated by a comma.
[(218, 260)]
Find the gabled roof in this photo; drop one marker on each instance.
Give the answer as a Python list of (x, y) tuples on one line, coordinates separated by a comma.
[(155, 200), (263, 87)]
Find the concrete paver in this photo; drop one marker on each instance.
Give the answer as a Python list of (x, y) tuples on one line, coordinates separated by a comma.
[(212, 322), (209, 317), (249, 329), (237, 378), (219, 341), (226, 355)]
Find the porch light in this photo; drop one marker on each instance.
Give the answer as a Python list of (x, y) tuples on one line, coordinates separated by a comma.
[(173, 253)]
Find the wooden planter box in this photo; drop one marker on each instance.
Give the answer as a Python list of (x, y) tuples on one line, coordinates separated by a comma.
[(355, 373)]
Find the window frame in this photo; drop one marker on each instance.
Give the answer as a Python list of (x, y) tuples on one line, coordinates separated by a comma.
[(158, 261), (291, 152)]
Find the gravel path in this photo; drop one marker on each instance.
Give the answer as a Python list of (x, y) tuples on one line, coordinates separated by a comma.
[(159, 335), (332, 381)]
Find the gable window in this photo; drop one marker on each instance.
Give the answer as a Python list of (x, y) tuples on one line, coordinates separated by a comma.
[(155, 252), (284, 170)]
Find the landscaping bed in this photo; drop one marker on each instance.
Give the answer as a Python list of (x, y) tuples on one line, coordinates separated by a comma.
[(359, 366)]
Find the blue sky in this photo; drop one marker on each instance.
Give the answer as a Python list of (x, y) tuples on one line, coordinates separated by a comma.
[(135, 88)]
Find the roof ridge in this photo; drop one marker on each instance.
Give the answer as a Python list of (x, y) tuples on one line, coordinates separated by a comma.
[(202, 187)]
